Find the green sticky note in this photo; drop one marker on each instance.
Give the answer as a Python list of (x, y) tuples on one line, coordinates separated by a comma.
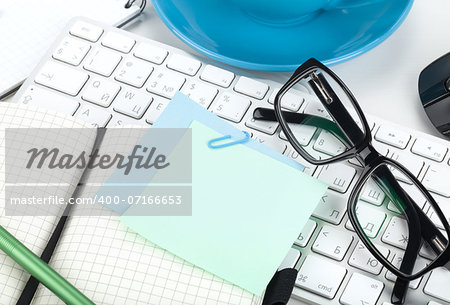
[(247, 210)]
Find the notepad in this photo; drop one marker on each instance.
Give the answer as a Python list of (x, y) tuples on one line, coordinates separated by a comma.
[(28, 28)]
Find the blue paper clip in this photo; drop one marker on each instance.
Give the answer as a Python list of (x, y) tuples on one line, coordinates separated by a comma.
[(211, 142)]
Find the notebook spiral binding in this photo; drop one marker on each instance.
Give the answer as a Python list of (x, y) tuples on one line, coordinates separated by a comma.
[(129, 3)]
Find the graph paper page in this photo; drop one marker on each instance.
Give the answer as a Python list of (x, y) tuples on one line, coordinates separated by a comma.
[(33, 231), (99, 255), (113, 265)]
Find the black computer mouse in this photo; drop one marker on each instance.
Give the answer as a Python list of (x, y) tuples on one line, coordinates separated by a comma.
[(434, 91)]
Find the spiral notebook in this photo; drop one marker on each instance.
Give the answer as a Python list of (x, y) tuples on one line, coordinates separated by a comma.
[(28, 28), (101, 256)]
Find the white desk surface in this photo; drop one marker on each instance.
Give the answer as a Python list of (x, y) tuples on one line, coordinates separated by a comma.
[(384, 80)]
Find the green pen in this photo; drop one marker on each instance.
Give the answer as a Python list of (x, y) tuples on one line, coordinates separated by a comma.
[(41, 271)]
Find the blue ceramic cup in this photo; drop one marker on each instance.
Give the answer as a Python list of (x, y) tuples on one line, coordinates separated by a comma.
[(289, 11)]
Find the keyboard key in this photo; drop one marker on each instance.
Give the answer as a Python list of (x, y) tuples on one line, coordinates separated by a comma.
[(231, 106), (396, 233), (71, 51), (329, 144), (133, 72), (292, 100), (437, 285), (61, 78), (294, 155), (270, 142), (150, 53), (165, 83), (383, 149), (445, 208), (320, 276), (86, 31), (397, 260), (414, 192), (290, 260), (316, 108), (433, 303), (306, 233), (392, 136), (372, 193), (413, 164), (370, 218), (40, 97), (303, 133), (183, 64), (268, 127), (201, 93), (132, 103), (362, 259), (337, 176), (429, 149), (156, 108), (251, 87), (413, 284), (122, 120), (437, 179), (93, 115), (100, 91), (217, 76), (331, 208), (427, 252), (332, 243), (118, 42), (362, 290), (102, 61), (316, 155), (392, 207)]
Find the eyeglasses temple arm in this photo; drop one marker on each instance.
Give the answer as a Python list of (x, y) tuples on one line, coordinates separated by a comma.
[(401, 286), (384, 178), (267, 114), (428, 232)]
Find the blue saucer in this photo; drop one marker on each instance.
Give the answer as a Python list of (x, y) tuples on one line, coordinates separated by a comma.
[(219, 29)]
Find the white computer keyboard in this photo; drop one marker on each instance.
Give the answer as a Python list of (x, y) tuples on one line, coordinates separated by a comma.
[(109, 77)]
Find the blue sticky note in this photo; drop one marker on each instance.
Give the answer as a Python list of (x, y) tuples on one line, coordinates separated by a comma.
[(249, 202), (181, 111), (247, 209)]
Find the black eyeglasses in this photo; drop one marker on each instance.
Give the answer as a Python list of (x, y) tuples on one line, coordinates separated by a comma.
[(385, 206)]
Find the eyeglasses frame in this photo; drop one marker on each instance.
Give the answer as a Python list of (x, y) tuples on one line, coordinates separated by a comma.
[(362, 149)]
